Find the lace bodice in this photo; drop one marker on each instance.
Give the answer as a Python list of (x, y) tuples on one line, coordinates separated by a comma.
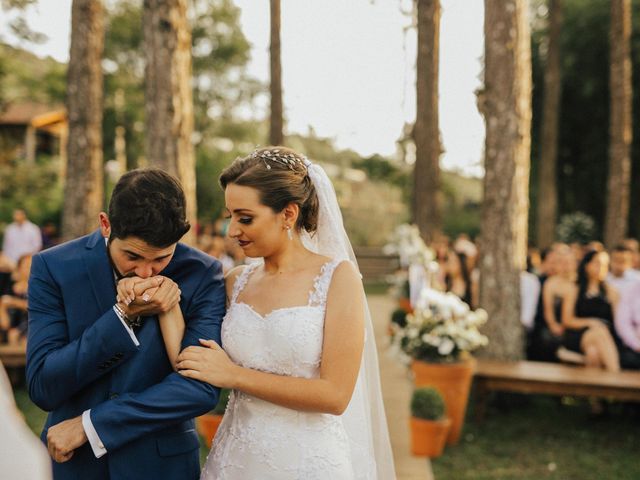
[(261, 440)]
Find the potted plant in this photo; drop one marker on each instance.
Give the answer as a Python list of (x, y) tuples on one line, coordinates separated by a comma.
[(208, 423), (437, 341), (429, 426)]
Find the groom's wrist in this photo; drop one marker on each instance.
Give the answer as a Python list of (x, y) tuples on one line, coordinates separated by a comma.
[(131, 321)]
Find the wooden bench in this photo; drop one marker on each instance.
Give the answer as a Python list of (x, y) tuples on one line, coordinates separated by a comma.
[(374, 264), (13, 355), (552, 379)]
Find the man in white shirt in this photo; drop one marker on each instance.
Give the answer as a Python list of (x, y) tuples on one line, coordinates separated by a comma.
[(622, 274), (21, 237)]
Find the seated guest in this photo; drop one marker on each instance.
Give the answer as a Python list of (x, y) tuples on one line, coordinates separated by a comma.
[(13, 307), (621, 274), (7, 266), (634, 246), (557, 280), (458, 280), (217, 249), (627, 324), (529, 295), (588, 312)]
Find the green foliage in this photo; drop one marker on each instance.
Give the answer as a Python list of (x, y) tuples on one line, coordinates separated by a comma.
[(29, 78), (221, 406), (584, 111), (576, 227), (221, 90), (399, 317), (427, 403), (36, 188)]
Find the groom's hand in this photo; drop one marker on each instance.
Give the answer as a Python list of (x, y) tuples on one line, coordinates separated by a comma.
[(64, 438), (150, 296)]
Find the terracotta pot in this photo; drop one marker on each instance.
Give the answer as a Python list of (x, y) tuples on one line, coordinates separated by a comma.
[(428, 436), (405, 304), (207, 426), (453, 380)]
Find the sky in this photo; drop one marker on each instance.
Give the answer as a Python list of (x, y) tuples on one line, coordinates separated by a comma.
[(348, 69)]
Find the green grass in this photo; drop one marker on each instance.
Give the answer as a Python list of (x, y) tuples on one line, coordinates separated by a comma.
[(34, 417), (535, 437)]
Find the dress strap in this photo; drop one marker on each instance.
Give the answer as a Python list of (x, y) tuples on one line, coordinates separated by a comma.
[(321, 284), (241, 280)]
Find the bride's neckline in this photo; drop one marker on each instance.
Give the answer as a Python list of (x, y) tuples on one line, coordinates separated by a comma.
[(313, 291), (275, 310)]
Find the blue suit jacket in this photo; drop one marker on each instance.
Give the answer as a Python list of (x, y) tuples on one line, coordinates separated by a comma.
[(79, 357)]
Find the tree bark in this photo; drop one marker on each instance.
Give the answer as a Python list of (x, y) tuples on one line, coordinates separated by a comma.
[(547, 207), (168, 96), (620, 124), (276, 136), (84, 185), (426, 175), (507, 111)]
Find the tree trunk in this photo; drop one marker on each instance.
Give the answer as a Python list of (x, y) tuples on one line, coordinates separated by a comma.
[(620, 133), (276, 137), (507, 161), (84, 185), (547, 207), (168, 96), (426, 174)]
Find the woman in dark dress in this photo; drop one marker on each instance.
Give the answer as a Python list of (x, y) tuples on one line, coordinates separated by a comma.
[(458, 279), (587, 314)]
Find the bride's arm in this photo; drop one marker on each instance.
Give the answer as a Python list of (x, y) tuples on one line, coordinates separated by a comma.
[(172, 327), (341, 356), (172, 323)]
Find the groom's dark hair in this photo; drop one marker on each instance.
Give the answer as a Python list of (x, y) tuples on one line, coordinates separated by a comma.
[(148, 204)]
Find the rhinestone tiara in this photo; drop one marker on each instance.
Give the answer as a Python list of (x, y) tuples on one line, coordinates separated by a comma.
[(289, 160)]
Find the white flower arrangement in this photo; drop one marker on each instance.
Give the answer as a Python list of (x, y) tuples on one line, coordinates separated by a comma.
[(407, 243), (441, 328)]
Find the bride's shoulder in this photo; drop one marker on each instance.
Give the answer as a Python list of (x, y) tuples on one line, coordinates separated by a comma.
[(232, 275), (347, 276)]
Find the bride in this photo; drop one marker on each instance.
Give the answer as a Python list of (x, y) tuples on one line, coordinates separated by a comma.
[(299, 351)]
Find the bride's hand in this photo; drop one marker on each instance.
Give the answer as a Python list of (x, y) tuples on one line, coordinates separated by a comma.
[(208, 363)]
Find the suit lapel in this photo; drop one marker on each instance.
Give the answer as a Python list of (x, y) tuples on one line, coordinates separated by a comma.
[(99, 271)]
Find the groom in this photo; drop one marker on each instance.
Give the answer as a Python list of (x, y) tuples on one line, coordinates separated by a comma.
[(99, 366)]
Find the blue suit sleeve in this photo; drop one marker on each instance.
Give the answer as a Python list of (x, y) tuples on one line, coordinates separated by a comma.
[(58, 368), (176, 398)]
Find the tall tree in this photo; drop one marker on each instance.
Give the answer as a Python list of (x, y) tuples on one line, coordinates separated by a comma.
[(84, 187), (276, 136), (168, 95), (507, 112), (620, 131), (426, 175), (547, 208)]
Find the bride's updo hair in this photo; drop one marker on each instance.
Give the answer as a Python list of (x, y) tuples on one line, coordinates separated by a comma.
[(280, 176)]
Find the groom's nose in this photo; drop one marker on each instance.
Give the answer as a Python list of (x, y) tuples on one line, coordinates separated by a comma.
[(144, 270)]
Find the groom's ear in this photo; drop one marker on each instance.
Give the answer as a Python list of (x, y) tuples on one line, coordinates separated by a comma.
[(105, 225)]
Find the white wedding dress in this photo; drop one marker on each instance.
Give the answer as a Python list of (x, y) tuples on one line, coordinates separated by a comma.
[(261, 440)]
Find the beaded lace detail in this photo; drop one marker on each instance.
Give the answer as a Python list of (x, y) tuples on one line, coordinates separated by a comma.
[(261, 440)]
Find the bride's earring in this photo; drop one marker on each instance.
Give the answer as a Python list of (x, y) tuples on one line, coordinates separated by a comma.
[(289, 234)]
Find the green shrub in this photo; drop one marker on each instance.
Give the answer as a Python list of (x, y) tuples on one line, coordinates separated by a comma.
[(221, 406), (427, 403), (399, 317)]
